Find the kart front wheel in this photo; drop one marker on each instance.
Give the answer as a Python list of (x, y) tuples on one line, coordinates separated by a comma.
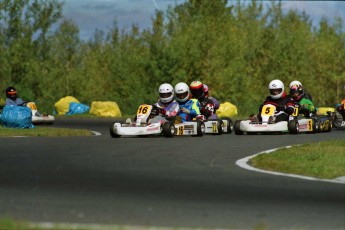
[(237, 127), (293, 126), (113, 132), (168, 129)]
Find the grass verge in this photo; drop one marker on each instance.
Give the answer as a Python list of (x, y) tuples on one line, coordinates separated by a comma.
[(324, 160), (43, 131)]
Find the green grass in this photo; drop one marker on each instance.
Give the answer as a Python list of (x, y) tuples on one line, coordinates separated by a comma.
[(324, 160), (43, 131)]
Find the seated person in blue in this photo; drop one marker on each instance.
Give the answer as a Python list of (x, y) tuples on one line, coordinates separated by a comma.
[(12, 97), (189, 109)]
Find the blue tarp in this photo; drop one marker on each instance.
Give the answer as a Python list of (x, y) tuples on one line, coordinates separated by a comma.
[(77, 108), (16, 117)]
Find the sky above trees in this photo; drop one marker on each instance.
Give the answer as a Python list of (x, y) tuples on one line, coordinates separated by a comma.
[(90, 15)]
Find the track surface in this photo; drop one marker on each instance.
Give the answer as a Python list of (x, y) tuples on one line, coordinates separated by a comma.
[(157, 181)]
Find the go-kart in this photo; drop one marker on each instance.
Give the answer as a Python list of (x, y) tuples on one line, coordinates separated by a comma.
[(142, 126), (267, 124), (37, 117), (190, 128), (218, 126)]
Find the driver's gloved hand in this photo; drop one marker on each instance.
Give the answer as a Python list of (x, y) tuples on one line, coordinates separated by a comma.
[(185, 110)]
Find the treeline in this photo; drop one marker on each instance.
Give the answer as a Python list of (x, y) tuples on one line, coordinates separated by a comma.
[(236, 48)]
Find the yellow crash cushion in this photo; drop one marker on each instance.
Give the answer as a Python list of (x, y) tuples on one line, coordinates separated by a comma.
[(105, 108), (226, 109), (62, 106), (324, 110)]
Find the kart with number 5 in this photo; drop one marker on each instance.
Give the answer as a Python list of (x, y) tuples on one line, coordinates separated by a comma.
[(269, 125)]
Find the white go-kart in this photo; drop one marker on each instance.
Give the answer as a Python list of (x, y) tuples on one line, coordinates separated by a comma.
[(142, 126), (268, 124), (37, 117)]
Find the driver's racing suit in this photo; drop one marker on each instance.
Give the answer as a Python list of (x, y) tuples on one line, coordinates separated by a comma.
[(189, 110)]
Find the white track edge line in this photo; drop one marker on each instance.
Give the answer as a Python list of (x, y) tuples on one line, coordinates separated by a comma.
[(243, 163)]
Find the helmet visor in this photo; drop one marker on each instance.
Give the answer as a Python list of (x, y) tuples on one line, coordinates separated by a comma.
[(165, 95), (276, 91), (182, 95), (197, 92)]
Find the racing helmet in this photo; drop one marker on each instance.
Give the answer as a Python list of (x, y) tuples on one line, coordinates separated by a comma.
[(11, 93), (166, 93), (197, 89), (182, 92), (276, 89), (296, 91), (205, 90), (295, 82)]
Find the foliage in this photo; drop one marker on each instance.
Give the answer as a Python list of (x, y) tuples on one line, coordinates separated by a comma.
[(234, 47)]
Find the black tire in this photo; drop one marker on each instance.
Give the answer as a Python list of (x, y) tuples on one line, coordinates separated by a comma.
[(113, 132), (318, 126), (293, 126), (237, 128), (200, 130), (168, 129), (229, 125), (337, 120), (330, 125), (220, 127)]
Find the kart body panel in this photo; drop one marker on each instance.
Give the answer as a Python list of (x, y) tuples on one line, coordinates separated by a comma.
[(132, 130), (190, 128)]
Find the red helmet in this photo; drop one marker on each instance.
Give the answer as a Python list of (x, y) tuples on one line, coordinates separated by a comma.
[(197, 89)]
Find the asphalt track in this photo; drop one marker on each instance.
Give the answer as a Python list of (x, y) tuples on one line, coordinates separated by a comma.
[(187, 182)]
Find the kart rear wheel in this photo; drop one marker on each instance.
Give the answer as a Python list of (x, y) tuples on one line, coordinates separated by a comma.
[(168, 129), (330, 125), (113, 132), (200, 128), (237, 127), (337, 120), (229, 125), (293, 126), (318, 126), (220, 127)]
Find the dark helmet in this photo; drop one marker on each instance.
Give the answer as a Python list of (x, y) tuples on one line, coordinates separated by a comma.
[(11, 93), (197, 90)]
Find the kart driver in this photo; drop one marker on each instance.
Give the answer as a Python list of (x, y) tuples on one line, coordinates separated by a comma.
[(284, 105), (305, 94), (12, 97), (189, 109), (207, 106), (215, 101), (298, 96), (166, 107)]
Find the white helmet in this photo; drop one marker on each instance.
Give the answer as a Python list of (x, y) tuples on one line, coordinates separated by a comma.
[(166, 93), (276, 89), (295, 82), (182, 91)]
